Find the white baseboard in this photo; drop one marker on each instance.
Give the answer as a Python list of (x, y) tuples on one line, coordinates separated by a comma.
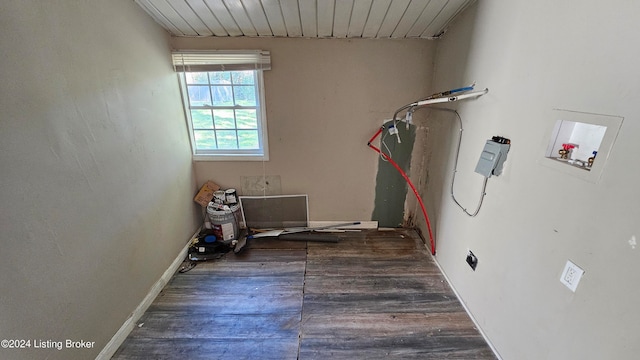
[(495, 351), (362, 225), (121, 335)]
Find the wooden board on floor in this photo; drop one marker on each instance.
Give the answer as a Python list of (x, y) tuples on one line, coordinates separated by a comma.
[(238, 268), (214, 348), (265, 255), (396, 347), (383, 284), (187, 324), (341, 304), (353, 267), (235, 285), (388, 324), (266, 303)]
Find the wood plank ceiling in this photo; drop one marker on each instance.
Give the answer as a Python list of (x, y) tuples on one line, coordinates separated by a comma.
[(425, 19)]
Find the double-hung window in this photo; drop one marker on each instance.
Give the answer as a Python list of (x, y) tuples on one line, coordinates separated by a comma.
[(223, 95)]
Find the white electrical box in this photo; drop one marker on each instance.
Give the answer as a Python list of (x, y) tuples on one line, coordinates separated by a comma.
[(571, 275), (493, 156)]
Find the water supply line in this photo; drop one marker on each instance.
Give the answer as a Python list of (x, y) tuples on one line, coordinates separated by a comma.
[(438, 98), (406, 178)]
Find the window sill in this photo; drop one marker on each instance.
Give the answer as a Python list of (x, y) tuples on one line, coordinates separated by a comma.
[(235, 157)]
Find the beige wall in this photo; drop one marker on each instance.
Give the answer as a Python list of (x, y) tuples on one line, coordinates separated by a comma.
[(97, 181), (325, 98), (535, 56)]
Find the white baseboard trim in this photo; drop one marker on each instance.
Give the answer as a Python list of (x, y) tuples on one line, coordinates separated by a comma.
[(495, 351), (362, 225), (121, 335)]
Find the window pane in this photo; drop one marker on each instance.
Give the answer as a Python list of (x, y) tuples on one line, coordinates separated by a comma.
[(222, 96), (246, 119), (224, 108), (199, 95), (220, 77), (205, 139), (202, 119), (243, 77), (248, 139), (227, 139), (224, 119), (196, 78), (245, 95)]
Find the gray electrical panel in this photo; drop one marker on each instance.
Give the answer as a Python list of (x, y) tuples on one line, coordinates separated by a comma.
[(493, 156)]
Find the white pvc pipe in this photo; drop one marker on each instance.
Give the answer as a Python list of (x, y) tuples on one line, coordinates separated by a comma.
[(450, 98)]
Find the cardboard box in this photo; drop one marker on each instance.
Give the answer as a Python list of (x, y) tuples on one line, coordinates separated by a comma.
[(205, 195)]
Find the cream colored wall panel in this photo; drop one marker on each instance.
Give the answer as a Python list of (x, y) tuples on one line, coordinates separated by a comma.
[(394, 14), (190, 17), (258, 17), (444, 17), (220, 11), (291, 15), (342, 18), (236, 9), (308, 18), (274, 16), (411, 15), (428, 15), (376, 16), (158, 16), (325, 17), (204, 13), (359, 17), (172, 15)]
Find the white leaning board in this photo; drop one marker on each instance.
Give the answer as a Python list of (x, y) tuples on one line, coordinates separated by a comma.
[(362, 225)]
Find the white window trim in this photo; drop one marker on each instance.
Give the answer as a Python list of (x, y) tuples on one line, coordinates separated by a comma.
[(229, 155)]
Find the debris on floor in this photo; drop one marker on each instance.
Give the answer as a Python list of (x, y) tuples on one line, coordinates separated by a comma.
[(223, 216), (291, 234), (208, 246)]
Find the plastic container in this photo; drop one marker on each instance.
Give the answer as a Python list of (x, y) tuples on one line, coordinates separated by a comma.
[(224, 223)]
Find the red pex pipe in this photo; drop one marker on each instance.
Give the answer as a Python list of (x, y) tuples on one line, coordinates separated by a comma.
[(406, 178)]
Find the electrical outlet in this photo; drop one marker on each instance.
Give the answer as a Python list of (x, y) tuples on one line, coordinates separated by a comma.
[(472, 260), (571, 275)]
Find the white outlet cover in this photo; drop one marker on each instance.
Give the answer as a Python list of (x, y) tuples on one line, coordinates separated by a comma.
[(571, 275)]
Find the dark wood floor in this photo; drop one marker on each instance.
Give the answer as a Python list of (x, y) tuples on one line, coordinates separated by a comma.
[(373, 295)]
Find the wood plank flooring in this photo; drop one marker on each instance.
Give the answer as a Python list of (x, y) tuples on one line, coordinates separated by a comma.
[(373, 295)]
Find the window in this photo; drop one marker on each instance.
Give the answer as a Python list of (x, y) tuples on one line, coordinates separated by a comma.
[(223, 96)]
